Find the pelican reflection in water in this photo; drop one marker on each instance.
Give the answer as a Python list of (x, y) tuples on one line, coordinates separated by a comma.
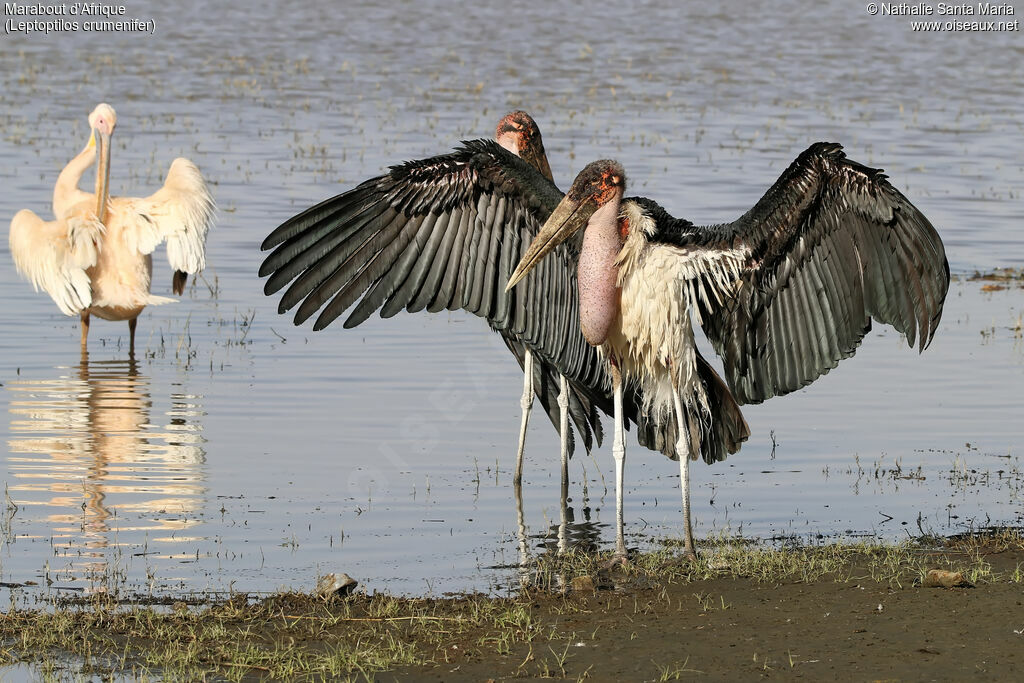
[(93, 470)]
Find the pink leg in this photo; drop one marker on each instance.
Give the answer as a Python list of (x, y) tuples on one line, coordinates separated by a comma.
[(85, 331)]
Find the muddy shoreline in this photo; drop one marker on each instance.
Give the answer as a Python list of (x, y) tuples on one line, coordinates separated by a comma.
[(743, 611)]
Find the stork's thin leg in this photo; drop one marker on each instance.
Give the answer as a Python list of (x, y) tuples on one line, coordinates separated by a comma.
[(563, 429), (524, 554), (619, 453), (683, 453), (131, 335), (563, 525), (85, 331), (527, 403)]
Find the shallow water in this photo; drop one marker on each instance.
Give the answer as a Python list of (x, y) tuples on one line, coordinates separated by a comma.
[(241, 452)]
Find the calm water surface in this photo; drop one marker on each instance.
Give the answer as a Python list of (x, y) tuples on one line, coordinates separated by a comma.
[(241, 452)]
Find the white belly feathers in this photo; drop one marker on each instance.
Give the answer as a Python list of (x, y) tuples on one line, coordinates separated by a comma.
[(661, 284)]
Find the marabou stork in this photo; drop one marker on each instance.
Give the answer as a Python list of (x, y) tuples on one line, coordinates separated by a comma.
[(518, 133), (96, 257), (444, 233), (783, 293)]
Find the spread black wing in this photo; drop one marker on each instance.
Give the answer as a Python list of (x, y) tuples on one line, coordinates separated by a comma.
[(445, 233), (829, 247)]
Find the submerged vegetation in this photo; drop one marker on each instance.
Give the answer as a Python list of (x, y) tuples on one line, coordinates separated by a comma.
[(1009, 276)]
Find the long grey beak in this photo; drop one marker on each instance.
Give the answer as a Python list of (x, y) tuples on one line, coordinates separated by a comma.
[(568, 217), (102, 174), (536, 157)]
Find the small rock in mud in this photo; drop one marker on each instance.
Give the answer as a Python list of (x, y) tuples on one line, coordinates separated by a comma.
[(582, 584), (591, 583), (332, 585), (940, 578)]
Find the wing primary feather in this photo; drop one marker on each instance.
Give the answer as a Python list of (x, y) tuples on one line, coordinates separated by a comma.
[(474, 302), (293, 257), (431, 287), (424, 254), (464, 284), (387, 223), (448, 293), (510, 246), (331, 226), (399, 298), (317, 214), (395, 275), (340, 275), (491, 273)]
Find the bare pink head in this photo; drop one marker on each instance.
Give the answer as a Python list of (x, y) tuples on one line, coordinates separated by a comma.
[(518, 133), (592, 203)]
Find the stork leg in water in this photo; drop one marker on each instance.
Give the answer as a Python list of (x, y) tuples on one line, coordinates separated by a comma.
[(563, 526), (527, 404), (683, 453), (524, 552), (619, 453), (563, 428)]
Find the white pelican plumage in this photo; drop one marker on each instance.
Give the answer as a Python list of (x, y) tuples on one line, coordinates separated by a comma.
[(95, 258)]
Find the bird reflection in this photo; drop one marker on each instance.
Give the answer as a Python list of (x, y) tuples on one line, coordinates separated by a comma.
[(93, 472), (568, 535), (583, 536)]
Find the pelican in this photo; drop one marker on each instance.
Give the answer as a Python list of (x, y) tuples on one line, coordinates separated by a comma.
[(444, 233), (96, 257), (783, 293)]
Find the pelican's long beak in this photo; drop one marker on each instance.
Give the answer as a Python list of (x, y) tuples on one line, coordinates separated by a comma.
[(102, 173), (568, 217)]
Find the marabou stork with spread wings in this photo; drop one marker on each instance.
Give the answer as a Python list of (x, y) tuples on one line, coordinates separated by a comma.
[(444, 233), (783, 293)]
